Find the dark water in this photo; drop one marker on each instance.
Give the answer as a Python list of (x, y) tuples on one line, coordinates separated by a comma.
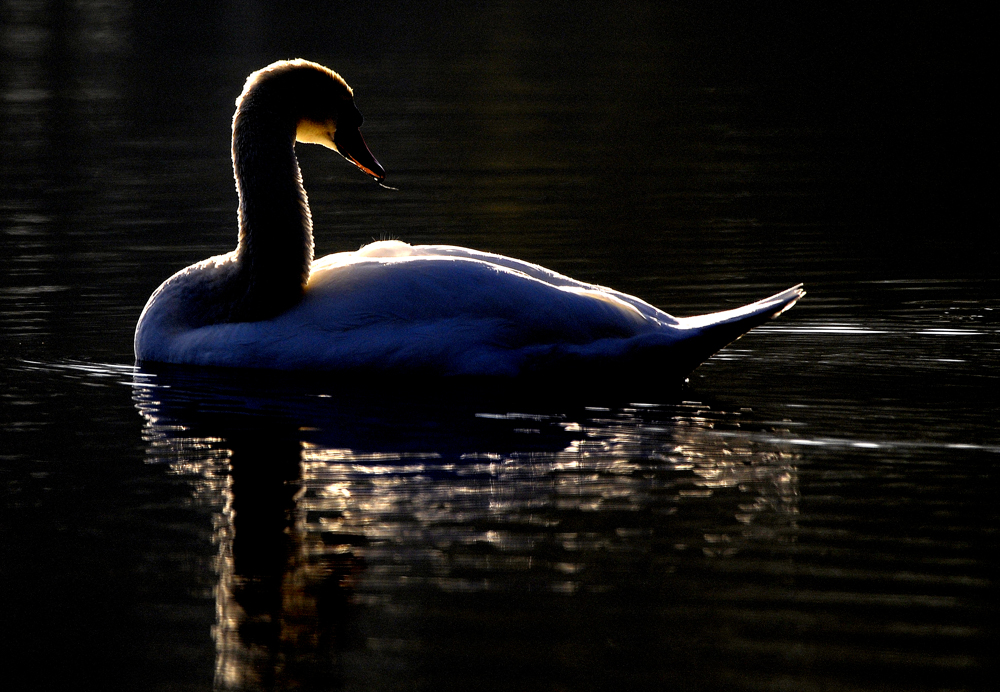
[(816, 509)]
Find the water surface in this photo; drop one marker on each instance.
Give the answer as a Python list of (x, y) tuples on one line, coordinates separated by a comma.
[(815, 509)]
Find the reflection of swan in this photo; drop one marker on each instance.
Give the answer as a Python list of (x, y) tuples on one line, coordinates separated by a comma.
[(358, 531), (389, 306)]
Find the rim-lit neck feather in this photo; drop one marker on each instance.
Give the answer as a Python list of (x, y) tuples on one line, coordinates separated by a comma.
[(275, 247)]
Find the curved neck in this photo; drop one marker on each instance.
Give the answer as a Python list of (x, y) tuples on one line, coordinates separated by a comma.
[(275, 246)]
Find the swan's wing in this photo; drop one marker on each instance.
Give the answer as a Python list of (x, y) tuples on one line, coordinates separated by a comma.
[(394, 249), (441, 313), (426, 288)]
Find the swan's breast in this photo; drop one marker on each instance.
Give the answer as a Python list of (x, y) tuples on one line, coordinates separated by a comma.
[(198, 295)]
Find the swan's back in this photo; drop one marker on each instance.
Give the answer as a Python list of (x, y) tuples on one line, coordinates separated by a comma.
[(455, 281)]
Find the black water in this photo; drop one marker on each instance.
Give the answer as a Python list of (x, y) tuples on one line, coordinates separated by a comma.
[(816, 509)]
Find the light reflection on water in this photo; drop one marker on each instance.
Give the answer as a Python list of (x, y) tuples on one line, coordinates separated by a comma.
[(315, 536)]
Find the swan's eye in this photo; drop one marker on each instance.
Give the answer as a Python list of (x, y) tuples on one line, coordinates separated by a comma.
[(350, 116)]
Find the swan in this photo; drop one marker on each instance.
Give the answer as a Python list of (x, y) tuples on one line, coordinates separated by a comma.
[(391, 307)]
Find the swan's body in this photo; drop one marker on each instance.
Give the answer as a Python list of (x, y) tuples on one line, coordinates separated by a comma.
[(392, 307)]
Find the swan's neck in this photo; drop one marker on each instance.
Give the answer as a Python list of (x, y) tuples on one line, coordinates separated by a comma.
[(275, 246)]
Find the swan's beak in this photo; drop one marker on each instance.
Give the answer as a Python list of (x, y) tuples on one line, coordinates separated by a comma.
[(352, 147)]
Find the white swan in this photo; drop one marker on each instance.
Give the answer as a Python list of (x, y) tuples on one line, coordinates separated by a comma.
[(391, 307)]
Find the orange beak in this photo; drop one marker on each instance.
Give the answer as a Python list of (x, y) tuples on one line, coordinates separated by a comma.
[(351, 145)]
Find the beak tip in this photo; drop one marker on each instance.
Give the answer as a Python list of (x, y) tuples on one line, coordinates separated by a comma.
[(351, 145), (373, 168)]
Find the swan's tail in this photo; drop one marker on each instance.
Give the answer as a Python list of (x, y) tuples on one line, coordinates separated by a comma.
[(713, 332), (650, 360)]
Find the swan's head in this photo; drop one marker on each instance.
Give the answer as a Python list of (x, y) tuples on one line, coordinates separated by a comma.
[(318, 102)]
